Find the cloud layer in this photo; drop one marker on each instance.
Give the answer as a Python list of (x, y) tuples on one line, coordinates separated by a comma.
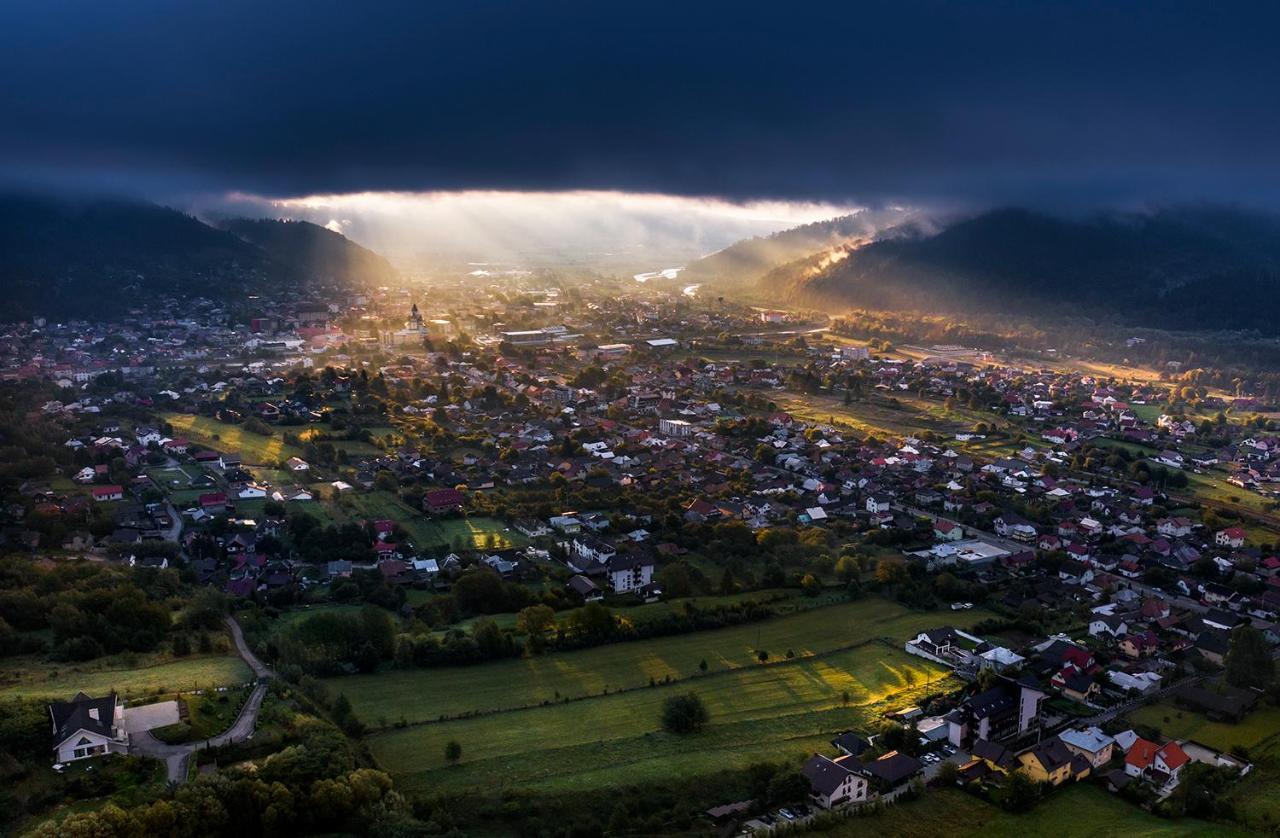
[(843, 101)]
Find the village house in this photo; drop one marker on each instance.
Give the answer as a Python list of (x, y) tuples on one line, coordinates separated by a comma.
[(88, 727)]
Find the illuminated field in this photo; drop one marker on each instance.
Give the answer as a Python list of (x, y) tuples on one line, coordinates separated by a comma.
[(771, 712), (775, 712)]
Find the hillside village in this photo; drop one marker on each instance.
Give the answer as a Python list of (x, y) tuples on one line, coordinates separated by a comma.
[(474, 458)]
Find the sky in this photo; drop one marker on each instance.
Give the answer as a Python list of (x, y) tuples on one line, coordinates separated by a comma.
[(840, 104)]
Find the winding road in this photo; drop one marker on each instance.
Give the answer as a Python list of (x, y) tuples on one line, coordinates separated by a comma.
[(177, 758)]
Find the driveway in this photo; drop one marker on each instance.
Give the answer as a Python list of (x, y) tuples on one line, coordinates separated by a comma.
[(150, 716), (177, 758)]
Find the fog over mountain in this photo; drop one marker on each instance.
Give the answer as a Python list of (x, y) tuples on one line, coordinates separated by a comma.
[(606, 231), (1182, 267)]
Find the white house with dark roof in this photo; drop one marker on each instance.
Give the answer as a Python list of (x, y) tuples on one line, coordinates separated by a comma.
[(88, 727), (832, 783)]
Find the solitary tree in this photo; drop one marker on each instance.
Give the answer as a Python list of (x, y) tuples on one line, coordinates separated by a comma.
[(452, 752), (684, 713), (1249, 662)]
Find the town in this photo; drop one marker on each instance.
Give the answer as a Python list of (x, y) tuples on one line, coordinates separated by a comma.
[(621, 535)]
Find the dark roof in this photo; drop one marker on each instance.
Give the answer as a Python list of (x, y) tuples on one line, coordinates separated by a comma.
[(851, 743), (824, 775), (999, 699), (993, 753), (1053, 753), (893, 767), (71, 716), (1229, 702)]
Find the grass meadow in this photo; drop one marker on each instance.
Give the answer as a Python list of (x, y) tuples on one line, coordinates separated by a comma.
[(588, 719), (31, 679), (759, 712), (418, 695)]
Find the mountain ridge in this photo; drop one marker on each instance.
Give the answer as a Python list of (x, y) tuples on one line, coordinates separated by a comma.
[(1168, 268), (745, 261), (81, 257)]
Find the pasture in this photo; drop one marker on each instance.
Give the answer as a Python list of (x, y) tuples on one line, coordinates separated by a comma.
[(427, 694), (30, 679), (774, 711)]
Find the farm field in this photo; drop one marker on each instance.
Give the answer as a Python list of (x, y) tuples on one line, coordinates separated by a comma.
[(427, 694), (41, 680), (775, 711), (877, 415), (1082, 811), (255, 449)]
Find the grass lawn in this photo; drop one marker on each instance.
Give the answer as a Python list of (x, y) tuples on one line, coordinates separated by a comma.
[(170, 478), (426, 533), (1184, 724), (781, 710), (426, 694), (208, 713), (471, 532), (232, 439), (1082, 811), (1213, 487), (1257, 796), (32, 679)]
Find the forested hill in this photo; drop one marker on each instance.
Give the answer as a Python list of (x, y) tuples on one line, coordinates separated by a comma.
[(96, 258), (746, 261), (1195, 268), (314, 250)]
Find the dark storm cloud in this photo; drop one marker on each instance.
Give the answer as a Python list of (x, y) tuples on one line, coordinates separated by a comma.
[(847, 100)]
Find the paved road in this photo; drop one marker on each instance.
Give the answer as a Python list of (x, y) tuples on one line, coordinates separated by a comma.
[(259, 668), (177, 758), (174, 532)]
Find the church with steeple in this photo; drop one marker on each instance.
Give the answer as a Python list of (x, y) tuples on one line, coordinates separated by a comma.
[(413, 333)]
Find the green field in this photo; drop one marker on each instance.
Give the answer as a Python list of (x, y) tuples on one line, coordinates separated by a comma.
[(172, 478), (1185, 724), (1082, 811), (426, 694), (771, 712), (232, 439), (41, 680), (426, 533), (1257, 796), (1213, 487)]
